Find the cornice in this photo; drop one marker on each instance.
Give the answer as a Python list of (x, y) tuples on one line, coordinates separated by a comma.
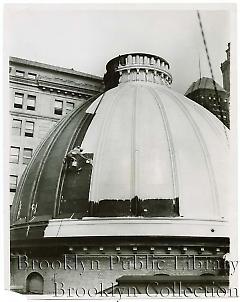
[(27, 63), (58, 85)]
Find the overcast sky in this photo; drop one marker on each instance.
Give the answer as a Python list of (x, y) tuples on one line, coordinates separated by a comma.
[(86, 38)]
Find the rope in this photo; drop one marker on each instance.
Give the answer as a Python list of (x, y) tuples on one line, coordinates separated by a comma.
[(210, 67)]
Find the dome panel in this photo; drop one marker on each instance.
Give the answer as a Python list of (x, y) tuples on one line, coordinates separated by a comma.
[(38, 193), (194, 156), (112, 167), (192, 174), (101, 113), (153, 159), (54, 163), (218, 161)]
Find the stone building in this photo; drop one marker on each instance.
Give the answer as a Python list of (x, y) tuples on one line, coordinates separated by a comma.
[(127, 191), (225, 68), (40, 95), (203, 92)]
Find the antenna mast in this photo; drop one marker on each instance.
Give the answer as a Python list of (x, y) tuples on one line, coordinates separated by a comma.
[(210, 67)]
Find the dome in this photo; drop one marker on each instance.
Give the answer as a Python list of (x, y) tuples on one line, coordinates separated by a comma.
[(204, 83), (139, 159)]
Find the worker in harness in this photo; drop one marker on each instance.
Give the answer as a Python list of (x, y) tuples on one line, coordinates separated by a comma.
[(75, 159)]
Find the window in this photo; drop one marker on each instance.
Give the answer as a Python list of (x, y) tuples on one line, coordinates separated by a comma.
[(29, 129), (32, 76), (18, 100), (58, 109), (34, 283), (27, 155), (31, 102), (20, 73), (16, 127), (69, 107), (13, 183), (14, 154)]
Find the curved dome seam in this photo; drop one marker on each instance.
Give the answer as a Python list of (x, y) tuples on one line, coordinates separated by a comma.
[(62, 175), (168, 133), (133, 146), (213, 126), (94, 188), (45, 156), (204, 150)]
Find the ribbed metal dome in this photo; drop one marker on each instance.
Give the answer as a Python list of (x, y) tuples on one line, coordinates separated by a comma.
[(145, 153)]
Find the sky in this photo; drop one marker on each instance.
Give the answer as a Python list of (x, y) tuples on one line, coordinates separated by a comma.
[(86, 37)]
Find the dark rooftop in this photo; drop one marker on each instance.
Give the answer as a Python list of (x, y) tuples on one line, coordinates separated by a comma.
[(204, 83)]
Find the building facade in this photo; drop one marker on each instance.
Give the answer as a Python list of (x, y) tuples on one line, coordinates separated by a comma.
[(203, 92), (40, 95), (225, 68)]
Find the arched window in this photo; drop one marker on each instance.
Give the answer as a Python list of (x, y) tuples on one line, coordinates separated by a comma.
[(34, 284)]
